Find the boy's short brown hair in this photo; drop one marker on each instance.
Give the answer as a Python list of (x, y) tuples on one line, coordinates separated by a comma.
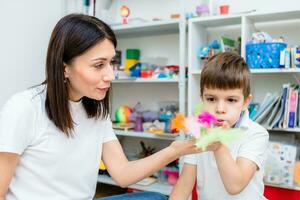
[(226, 71)]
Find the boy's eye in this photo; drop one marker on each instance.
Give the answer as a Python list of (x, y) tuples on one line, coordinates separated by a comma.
[(210, 99), (232, 100)]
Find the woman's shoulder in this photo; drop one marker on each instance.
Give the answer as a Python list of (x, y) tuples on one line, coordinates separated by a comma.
[(27, 100)]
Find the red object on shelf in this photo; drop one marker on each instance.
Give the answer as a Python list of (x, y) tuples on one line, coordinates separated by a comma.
[(275, 193), (194, 193), (271, 193)]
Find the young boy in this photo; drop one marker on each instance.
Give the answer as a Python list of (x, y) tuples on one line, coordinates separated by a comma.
[(234, 172)]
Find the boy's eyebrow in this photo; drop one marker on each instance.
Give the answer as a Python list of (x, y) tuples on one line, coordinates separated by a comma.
[(234, 96), (208, 95)]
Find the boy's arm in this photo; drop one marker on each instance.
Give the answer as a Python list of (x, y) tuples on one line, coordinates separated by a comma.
[(185, 183), (235, 175)]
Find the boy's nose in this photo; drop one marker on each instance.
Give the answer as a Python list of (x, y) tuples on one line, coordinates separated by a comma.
[(220, 109)]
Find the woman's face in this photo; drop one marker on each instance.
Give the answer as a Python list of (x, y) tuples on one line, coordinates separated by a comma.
[(90, 74)]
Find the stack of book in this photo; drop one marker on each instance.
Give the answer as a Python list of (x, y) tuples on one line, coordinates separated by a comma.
[(279, 110)]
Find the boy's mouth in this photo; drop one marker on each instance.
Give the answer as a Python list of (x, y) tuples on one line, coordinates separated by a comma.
[(219, 122)]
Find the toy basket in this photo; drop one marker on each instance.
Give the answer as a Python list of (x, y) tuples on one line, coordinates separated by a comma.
[(264, 55)]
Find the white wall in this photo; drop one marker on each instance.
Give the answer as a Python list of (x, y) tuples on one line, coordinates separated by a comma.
[(26, 26)]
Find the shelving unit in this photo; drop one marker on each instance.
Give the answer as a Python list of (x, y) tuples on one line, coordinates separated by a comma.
[(165, 39), (203, 30)]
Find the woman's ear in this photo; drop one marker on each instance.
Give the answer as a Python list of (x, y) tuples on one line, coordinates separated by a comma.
[(66, 70), (247, 102)]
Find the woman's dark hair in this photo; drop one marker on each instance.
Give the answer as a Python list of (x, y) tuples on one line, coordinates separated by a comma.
[(72, 36)]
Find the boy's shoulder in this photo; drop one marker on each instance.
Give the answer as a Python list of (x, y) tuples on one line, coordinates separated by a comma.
[(252, 128), (255, 128), (256, 136)]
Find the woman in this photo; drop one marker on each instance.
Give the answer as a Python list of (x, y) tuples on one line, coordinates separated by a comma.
[(53, 136)]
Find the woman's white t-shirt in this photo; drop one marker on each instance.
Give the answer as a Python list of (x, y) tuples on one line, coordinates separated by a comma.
[(51, 166)]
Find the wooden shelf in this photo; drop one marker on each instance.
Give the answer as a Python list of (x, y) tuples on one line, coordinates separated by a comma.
[(155, 187), (146, 135)]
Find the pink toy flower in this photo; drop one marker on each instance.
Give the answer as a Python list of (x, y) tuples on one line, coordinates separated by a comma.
[(192, 126), (206, 119)]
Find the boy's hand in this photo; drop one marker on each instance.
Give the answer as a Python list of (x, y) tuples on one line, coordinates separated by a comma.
[(214, 146)]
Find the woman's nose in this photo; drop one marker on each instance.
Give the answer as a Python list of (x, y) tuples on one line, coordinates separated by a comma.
[(109, 74)]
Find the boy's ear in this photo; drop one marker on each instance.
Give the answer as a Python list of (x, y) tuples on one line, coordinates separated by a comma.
[(247, 102)]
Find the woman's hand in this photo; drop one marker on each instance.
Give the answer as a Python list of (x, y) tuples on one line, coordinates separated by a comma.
[(214, 146), (183, 147)]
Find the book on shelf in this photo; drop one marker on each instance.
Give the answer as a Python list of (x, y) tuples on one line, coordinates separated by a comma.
[(280, 110), (290, 57)]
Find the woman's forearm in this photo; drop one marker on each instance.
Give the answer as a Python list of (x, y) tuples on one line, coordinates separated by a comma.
[(135, 171)]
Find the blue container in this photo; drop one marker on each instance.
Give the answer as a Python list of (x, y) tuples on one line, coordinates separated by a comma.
[(264, 55)]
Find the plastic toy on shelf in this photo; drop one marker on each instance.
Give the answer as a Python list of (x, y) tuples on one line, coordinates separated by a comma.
[(125, 12)]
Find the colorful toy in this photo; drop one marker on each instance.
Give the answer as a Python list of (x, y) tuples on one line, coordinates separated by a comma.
[(202, 10), (125, 12), (208, 50), (172, 176), (132, 58), (201, 127), (122, 114)]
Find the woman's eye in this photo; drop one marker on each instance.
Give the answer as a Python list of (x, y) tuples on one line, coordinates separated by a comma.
[(112, 62), (99, 66)]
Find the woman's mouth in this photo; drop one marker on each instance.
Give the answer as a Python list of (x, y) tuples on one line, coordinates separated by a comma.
[(103, 89)]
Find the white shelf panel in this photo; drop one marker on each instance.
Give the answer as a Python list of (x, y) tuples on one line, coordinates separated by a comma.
[(147, 80), (146, 135), (280, 70), (195, 72), (284, 187), (296, 130), (155, 187), (262, 71), (147, 28), (275, 16), (215, 21)]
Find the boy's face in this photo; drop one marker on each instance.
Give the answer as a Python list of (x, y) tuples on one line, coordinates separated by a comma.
[(226, 105)]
